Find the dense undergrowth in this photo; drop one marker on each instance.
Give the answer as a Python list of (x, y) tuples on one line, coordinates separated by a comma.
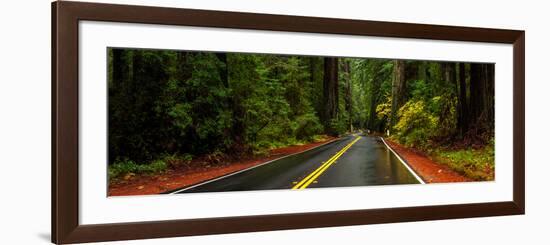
[(126, 168)]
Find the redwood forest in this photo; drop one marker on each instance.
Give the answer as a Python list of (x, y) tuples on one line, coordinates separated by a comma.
[(179, 118)]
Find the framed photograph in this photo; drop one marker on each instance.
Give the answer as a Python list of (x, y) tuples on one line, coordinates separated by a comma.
[(174, 122)]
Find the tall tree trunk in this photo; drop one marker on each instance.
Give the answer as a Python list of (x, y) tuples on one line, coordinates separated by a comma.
[(316, 83), (398, 89), (348, 94), (237, 129), (224, 73), (330, 92), (117, 85), (422, 71), (490, 94), (475, 94), (481, 98), (450, 73), (120, 67), (238, 126), (462, 101), (478, 100), (137, 68), (447, 122)]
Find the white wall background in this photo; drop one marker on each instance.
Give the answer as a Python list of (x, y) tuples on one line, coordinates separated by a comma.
[(25, 121)]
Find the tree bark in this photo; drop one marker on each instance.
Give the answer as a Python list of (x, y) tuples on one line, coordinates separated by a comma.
[(422, 71), (490, 94), (450, 73), (475, 93), (398, 89), (120, 68), (478, 99), (330, 92), (462, 101), (348, 97), (137, 68), (481, 98)]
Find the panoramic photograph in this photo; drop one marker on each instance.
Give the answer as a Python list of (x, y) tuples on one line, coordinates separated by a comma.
[(190, 122)]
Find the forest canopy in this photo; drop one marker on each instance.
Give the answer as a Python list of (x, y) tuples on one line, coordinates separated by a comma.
[(184, 104)]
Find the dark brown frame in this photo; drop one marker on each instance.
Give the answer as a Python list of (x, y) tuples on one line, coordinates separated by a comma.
[(65, 223)]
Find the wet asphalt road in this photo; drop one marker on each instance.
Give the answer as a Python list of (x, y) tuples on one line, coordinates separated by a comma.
[(367, 161)]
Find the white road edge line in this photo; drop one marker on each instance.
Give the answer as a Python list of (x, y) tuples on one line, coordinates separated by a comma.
[(404, 163), (243, 170)]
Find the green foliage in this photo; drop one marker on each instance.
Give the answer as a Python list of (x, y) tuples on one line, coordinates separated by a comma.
[(420, 121), (169, 103), (203, 109), (416, 124), (360, 108), (444, 107), (277, 108), (383, 110), (124, 167), (181, 116), (261, 100), (421, 89), (174, 160), (338, 127), (372, 79), (133, 92), (478, 164), (307, 126), (173, 105)]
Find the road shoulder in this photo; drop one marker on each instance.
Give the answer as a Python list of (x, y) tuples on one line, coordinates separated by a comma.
[(429, 170), (175, 179)]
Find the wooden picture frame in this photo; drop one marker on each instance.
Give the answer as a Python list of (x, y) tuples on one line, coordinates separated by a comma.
[(65, 121)]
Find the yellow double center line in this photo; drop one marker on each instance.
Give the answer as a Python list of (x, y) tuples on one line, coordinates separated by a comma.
[(313, 176)]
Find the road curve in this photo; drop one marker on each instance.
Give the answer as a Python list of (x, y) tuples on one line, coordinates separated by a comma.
[(354, 160)]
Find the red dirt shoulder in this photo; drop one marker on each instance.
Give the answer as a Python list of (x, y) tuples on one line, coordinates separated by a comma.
[(174, 179), (429, 170)]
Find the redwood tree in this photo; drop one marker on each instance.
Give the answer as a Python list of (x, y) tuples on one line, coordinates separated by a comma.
[(398, 89), (330, 92)]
